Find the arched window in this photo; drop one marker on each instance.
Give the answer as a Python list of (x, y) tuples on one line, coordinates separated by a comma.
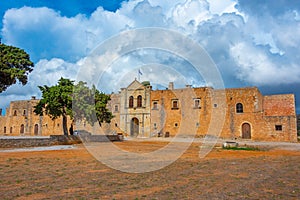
[(239, 108), (15, 113), (4, 129), (22, 129), (36, 129), (131, 102), (139, 101), (155, 107), (116, 108)]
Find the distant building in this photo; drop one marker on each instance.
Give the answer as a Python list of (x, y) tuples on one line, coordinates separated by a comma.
[(142, 112), (21, 120)]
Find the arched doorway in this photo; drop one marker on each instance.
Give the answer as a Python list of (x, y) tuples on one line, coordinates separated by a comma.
[(246, 131), (134, 127), (22, 129), (36, 129)]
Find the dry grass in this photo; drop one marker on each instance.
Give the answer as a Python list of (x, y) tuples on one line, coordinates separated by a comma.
[(223, 174)]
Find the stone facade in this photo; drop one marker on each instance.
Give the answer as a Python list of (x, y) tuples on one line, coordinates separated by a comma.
[(21, 120), (241, 113), (139, 111)]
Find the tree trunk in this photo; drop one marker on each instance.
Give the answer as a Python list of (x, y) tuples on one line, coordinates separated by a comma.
[(65, 125)]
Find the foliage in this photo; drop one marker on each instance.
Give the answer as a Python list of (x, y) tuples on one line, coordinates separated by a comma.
[(56, 101), (90, 104), (75, 100), (15, 65)]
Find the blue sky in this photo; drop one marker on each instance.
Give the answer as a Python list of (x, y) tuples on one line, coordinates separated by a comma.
[(253, 43)]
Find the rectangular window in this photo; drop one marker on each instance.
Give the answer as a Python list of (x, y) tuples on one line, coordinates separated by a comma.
[(116, 108), (197, 103), (278, 127), (175, 104), (154, 105)]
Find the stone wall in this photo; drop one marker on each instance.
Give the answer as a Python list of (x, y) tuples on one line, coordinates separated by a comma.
[(19, 142), (20, 120)]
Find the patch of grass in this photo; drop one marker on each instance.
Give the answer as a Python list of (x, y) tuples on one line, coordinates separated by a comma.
[(242, 148)]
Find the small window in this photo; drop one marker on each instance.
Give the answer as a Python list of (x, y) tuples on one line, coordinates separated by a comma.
[(116, 108), (155, 126), (176, 124), (139, 101), (4, 129), (278, 127), (197, 124), (15, 113), (22, 129), (155, 105), (24, 112), (116, 125), (10, 130), (131, 102), (239, 108), (215, 105), (197, 103), (175, 104)]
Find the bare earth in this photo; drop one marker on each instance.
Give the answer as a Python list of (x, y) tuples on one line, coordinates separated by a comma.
[(223, 174)]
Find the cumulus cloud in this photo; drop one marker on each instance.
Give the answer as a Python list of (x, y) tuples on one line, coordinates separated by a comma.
[(44, 33), (250, 41), (257, 68), (46, 72)]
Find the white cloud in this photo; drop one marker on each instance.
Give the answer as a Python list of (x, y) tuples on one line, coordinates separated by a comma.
[(255, 67), (191, 13), (246, 47), (46, 72)]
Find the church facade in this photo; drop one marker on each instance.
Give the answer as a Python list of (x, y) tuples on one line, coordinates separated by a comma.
[(140, 111)]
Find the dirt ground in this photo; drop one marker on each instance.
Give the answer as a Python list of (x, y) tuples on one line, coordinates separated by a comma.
[(222, 174)]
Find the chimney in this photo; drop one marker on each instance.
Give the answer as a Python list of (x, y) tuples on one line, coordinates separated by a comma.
[(32, 97), (171, 86)]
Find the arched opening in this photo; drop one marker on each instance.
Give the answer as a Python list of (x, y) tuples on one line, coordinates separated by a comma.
[(134, 127), (239, 108), (131, 102), (246, 131), (139, 101), (15, 113), (4, 129), (36, 129), (22, 129)]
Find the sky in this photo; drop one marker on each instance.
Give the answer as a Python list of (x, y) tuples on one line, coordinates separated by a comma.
[(252, 43)]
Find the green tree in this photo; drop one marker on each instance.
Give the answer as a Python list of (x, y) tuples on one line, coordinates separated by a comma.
[(75, 100), (90, 104), (15, 65), (56, 101)]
